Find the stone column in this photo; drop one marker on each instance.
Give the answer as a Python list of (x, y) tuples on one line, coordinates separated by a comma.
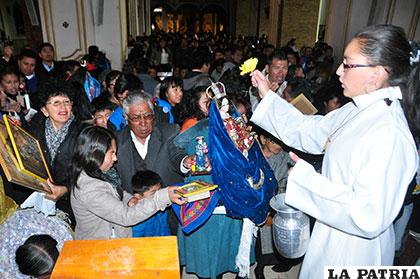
[(273, 28), (133, 18)]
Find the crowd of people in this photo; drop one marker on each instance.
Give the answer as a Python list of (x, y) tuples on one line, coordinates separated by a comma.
[(108, 139)]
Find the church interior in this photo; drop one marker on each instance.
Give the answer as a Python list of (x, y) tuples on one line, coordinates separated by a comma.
[(182, 60)]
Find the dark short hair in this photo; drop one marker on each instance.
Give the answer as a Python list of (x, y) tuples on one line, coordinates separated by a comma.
[(45, 45), (331, 90), (218, 49), (102, 103), (127, 82), (268, 46), (93, 49), (200, 58), (8, 44), (37, 256), (69, 65), (166, 83), (143, 180), (27, 53), (278, 54), (291, 71), (8, 71), (235, 48), (141, 65), (299, 85), (234, 82), (261, 132), (54, 87), (151, 66)]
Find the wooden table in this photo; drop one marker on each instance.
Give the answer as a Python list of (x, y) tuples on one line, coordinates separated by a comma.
[(146, 257)]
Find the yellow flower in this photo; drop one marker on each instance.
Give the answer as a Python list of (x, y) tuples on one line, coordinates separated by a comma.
[(248, 66)]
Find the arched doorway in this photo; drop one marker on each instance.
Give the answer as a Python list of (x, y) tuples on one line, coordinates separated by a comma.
[(189, 17), (214, 19), (162, 18)]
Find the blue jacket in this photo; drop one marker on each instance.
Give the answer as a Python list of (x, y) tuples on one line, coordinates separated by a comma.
[(157, 225), (166, 108), (117, 119)]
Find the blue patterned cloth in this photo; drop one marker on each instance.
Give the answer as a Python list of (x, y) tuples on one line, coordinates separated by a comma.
[(18, 228), (157, 225), (92, 87), (231, 171), (193, 215), (209, 245)]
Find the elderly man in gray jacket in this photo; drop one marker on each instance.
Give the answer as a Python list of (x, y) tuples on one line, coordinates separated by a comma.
[(144, 144)]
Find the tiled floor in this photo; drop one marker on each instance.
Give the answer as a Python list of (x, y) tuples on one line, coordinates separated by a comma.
[(269, 274)]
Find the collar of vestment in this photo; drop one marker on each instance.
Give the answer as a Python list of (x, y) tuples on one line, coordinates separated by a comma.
[(364, 100)]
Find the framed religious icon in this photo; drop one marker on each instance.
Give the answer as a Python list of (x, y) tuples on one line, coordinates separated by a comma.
[(21, 157), (197, 190)]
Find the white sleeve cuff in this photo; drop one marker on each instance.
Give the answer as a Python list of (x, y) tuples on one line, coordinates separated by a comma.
[(183, 169)]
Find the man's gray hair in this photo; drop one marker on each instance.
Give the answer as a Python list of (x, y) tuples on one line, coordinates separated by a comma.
[(136, 97)]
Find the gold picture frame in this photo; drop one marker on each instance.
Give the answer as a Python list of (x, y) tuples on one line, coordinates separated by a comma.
[(196, 190), (15, 146)]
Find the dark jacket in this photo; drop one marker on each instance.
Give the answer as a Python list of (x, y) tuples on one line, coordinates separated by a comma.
[(44, 75), (11, 64), (60, 166)]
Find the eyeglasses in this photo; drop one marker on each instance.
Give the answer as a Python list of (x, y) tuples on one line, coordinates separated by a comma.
[(139, 117), (351, 66), (56, 104)]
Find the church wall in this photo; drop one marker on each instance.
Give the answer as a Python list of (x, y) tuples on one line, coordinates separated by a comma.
[(346, 17), (71, 26), (111, 35), (246, 17), (264, 22), (299, 20), (407, 15)]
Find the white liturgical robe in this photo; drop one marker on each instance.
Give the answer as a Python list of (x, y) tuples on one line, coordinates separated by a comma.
[(370, 158)]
